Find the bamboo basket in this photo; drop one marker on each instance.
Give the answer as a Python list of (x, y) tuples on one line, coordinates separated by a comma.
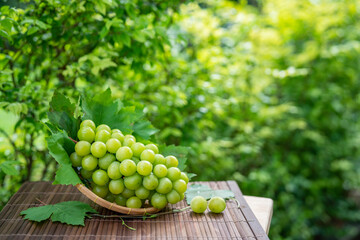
[(113, 206)]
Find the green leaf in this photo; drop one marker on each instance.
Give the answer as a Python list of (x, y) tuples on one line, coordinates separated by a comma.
[(32, 30), (60, 147), (71, 212), (206, 192), (4, 34), (179, 152), (8, 167), (62, 114), (144, 129)]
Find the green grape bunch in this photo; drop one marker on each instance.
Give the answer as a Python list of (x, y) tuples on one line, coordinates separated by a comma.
[(124, 171)]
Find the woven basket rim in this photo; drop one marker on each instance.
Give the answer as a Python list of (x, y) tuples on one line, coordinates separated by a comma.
[(113, 206)]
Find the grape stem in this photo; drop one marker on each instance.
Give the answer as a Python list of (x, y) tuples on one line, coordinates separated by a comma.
[(237, 202), (73, 140)]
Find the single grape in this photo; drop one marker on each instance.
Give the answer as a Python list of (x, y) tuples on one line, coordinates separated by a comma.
[(88, 123), (120, 200), (159, 159), (118, 136), (110, 197), (142, 192), (180, 186), (137, 149), (150, 182), (102, 136), (106, 160), (158, 200), (217, 204), (182, 196), (86, 134), (198, 204), (116, 186), (113, 170), (82, 148), (100, 177), (89, 162), (127, 193), (123, 153), (144, 168), (112, 145), (171, 161), (184, 177), (127, 167), (101, 191), (133, 202), (173, 197), (136, 160), (86, 174), (129, 140), (103, 127), (98, 149), (148, 155), (116, 131), (173, 173), (153, 147), (133, 182), (160, 170), (75, 159), (165, 185)]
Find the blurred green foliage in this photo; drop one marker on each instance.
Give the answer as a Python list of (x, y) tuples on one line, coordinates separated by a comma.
[(268, 96)]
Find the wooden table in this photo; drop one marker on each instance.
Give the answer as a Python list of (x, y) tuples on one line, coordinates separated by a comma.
[(233, 223)]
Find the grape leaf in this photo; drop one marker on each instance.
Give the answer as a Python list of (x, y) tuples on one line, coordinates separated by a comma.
[(144, 129), (60, 147), (206, 192), (179, 152), (62, 114), (71, 212)]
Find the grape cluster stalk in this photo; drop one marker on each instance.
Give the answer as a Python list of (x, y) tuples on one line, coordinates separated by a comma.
[(122, 170)]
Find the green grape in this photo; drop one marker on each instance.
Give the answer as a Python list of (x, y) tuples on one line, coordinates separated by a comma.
[(165, 185), (144, 168), (123, 153), (217, 204), (101, 191), (160, 170), (173, 197), (133, 202), (98, 149), (112, 145), (150, 182), (159, 159), (103, 127), (88, 123), (106, 160), (133, 182), (127, 193), (86, 174), (118, 136), (86, 134), (116, 131), (158, 200), (116, 186), (142, 192), (75, 159), (184, 177), (120, 200), (89, 162), (113, 170), (129, 140), (110, 197), (137, 149), (100, 177), (127, 167), (198, 204), (182, 196), (153, 147), (173, 173), (102, 136), (171, 161), (136, 160), (148, 155), (180, 186), (82, 148)]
